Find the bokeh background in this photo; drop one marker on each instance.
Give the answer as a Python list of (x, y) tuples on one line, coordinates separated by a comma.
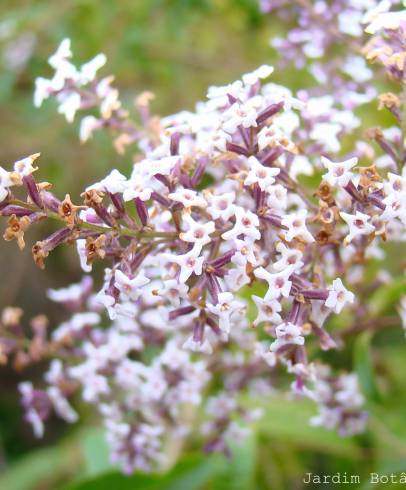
[(176, 49)]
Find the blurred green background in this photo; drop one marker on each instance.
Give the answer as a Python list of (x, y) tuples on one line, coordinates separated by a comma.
[(176, 49)]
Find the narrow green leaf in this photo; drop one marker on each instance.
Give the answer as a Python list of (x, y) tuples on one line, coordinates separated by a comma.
[(96, 452), (190, 474), (364, 366), (239, 471), (288, 420), (387, 296), (43, 465)]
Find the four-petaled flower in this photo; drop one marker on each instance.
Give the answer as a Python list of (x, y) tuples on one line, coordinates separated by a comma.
[(338, 296), (358, 225), (279, 284), (296, 224), (246, 223), (188, 198), (197, 233), (224, 309), (190, 263), (338, 172), (259, 174), (130, 288), (268, 310)]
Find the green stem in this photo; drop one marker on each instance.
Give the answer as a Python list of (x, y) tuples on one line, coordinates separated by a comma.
[(121, 230)]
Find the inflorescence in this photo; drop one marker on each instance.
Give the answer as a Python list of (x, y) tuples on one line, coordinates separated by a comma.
[(213, 219)]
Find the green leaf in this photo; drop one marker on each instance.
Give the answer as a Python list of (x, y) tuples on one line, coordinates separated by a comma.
[(43, 465), (96, 452), (288, 421), (190, 474), (364, 366), (387, 296), (239, 472)]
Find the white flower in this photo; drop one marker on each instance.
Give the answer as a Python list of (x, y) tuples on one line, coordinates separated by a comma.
[(61, 405), (70, 294), (349, 395), (268, 310), (396, 184), (246, 223), (137, 188), (225, 307), (188, 198), (277, 197), (114, 183), (296, 224), (218, 140), (386, 20), (43, 89), (289, 257), (197, 233), (5, 183), (94, 385), (87, 126), (155, 385), (55, 372), (130, 288), (221, 206), (263, 351), (357, 68), (264, 71), (395, 207), (287, 333), (338, 296), (374, 11), (31, 415), (279, 283), (244, 252), (239, 115), (163, 166), (349, 22), (237, 278), (338, 172), (189, 263), (358, 225), (327, 134), (88, 70), (174, 291), (81, 250), (327, 417), (110, 103), (63, 53), (75, 324), (70, 104), (203, 347), (259, 174), (266, 137), (108, 302), (220, 94), (25, 166)]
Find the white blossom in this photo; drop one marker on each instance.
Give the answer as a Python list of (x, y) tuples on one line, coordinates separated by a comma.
[(279, 284), (246, 223), (339, 173), (268, 310), (130, 288), (197, 233), (259, 174), (296, 224), (338, 296), (358, 225), (190, 263)]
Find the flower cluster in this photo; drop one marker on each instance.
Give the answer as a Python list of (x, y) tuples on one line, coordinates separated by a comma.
[(212, 221)]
